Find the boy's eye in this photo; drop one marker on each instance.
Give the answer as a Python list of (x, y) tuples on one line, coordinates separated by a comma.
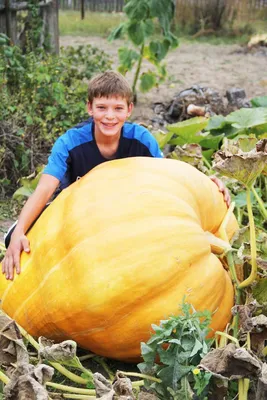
[(119, 108)]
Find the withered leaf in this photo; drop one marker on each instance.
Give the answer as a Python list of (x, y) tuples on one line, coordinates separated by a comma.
[(57, 352), (190, 153), (243, 166), (231, 363), (27, 382), (121, 389), (103, 387), (261, 393), (245, 313), (123, 386), (12, 348)]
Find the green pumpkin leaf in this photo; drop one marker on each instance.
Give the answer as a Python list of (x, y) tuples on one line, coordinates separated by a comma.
[(188, 129), (216, 122), (212, 142), (259, 291), (162, 138), (241, 199), (259, 101), (208, 154), (247, 118), (147, 81)]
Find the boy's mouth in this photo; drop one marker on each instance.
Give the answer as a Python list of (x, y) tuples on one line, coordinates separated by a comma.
[(109, 125)]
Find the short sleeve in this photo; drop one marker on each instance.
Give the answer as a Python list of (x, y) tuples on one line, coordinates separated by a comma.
[(152, 145), (57, 161)]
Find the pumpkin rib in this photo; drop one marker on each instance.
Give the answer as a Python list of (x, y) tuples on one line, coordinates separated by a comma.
[(57, 267)]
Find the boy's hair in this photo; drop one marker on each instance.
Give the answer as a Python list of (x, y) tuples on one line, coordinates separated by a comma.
[(107, 84)]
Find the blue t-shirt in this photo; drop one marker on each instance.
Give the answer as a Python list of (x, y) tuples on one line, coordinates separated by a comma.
[(75, 153)]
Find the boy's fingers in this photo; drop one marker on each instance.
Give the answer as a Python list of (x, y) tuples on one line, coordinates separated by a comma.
[(17, 262), (10, 267), (25, 244), (3, 265)]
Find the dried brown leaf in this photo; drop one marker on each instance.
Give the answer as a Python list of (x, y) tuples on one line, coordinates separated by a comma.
[(103, 387), (12, 348), (261, 393), (27, 382), (243, 166), (231, 363), (57, 352), (123, 387)]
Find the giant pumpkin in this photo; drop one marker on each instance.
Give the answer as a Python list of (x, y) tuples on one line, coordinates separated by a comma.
[(117, 251)]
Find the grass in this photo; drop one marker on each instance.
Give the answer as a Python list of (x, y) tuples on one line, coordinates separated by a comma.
[(94, 24), (101, 24)]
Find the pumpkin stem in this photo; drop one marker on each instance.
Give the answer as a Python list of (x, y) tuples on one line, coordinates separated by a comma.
[(253, 248), (232, 338), (71, 389), (148, 377)]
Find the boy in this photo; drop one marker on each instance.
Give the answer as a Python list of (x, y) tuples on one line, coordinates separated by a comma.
[(105, 137)]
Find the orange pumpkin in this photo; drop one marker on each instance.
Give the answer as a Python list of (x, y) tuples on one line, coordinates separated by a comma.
[(117, 251)]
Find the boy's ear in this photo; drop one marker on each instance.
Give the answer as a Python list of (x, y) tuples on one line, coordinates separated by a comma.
[(89, 108), (130, 109)]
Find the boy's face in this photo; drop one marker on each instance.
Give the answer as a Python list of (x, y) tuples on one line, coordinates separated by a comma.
[(109, 113)]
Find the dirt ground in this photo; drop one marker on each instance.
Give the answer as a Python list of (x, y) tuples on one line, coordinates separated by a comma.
[(220, 67)]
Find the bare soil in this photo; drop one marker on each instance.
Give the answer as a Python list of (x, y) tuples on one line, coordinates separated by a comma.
[(220, 67)]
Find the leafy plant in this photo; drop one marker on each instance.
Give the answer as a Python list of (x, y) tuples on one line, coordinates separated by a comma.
[(42, 96), (173, 352), (140, 29)]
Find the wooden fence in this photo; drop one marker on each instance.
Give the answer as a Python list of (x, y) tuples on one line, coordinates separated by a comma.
[(93, 5), (48, 12), (117, 5)]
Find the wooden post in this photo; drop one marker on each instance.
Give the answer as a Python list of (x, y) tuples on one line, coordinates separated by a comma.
[(50, 25), (2, 17), (82, 9), (11, 23)]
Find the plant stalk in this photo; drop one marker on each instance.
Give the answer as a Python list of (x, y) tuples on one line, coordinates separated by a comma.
[(260, 202), (148, 377), (232, 338), (71, 389), (253, 248), (4, 378), (137, 72)]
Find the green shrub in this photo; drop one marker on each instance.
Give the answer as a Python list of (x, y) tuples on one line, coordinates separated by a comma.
[(42, 96)]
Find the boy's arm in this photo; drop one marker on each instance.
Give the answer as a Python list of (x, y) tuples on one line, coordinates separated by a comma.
[(31, 210)]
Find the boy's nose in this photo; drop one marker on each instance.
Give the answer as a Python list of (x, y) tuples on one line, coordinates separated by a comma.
[(110, 114)]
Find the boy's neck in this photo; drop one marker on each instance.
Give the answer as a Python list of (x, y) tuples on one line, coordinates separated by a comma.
[(107, 146)]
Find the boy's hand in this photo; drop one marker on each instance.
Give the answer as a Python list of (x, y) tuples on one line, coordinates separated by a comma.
[(18, 243), (223, 189)]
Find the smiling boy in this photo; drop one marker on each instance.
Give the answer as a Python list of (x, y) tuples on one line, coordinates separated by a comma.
[(105, 136)]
